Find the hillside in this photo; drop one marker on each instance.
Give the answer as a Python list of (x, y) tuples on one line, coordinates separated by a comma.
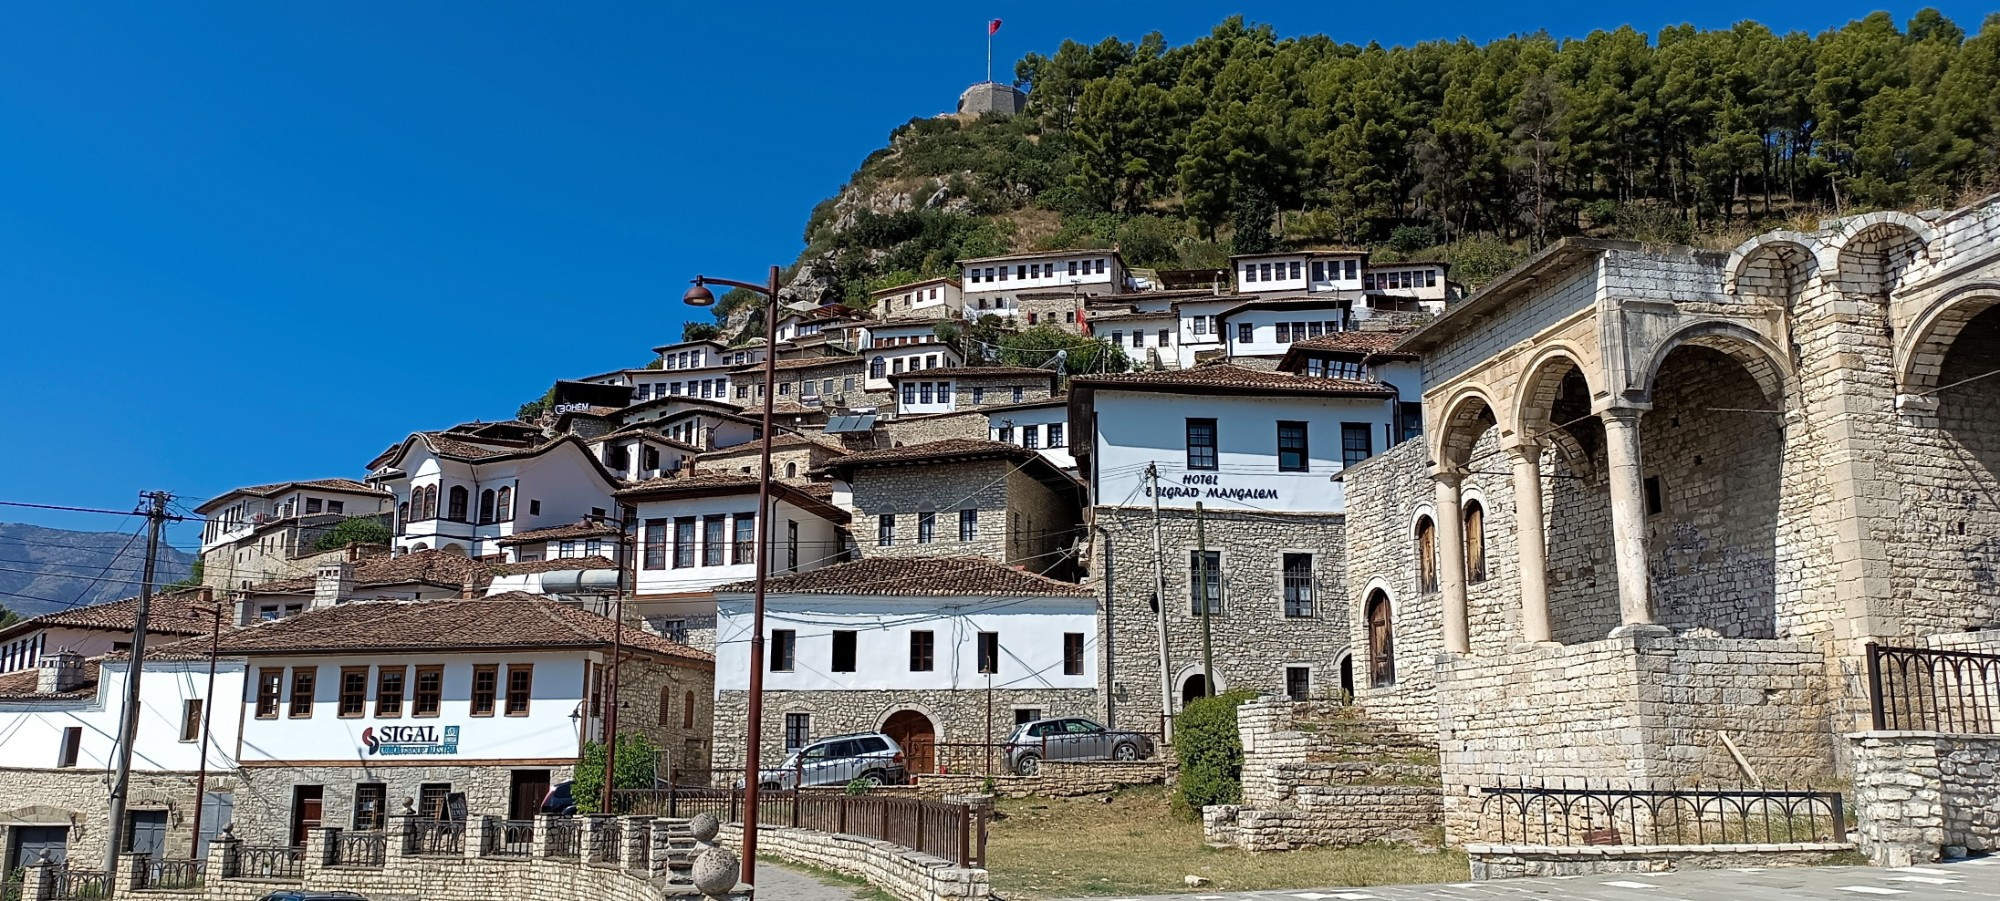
[(44, 570), (1474, 154)]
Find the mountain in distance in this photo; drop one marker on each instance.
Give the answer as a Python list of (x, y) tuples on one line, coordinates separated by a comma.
[(45, 570)]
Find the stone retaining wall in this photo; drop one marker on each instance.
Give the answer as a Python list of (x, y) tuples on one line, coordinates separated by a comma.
[(906, 874), (1332, 816), (1057, 779), (1922, 796), (1319, 774), (1512, 861)]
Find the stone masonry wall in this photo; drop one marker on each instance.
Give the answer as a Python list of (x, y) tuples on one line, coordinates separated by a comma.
[(1317, 774), (1948, 562), (1041, 524), (905, 874), (683, 739), (1922, 796), (80, 799), (956, 716), (263, 813), (904, 491), (908, 430)]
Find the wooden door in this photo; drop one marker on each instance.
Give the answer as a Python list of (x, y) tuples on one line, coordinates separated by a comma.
[(914, 732), (147, 834), (306, 807), (525, 793), (1381, 643)]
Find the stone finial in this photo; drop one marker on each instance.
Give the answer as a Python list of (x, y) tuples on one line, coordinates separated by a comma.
[(715, 871), (409, 806), (704, 826)]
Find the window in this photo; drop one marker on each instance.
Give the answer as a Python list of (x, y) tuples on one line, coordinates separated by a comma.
[(1072, 653), (1204, 571), (885, 530), (336, 506), (746, 539), (1031, 436), (714, 543), (926, 527), (520, 688), (1357, 443), (798, 730), (353, 691), (909, 393), (1026, 715), (503, 505), (978, 395), (389, 691), (1413, 420), (485, 688), (431, 798), (1655, 504), (923, 651), (1263, 272), (924, 390), (1117, 337), (1006, 433), (1298, 584), (656, 544), (1381, 642), (1292, 455), (270, 682), (683, 542), (968, 524), (429, 696), (784, 650), (458, 498), (1056, 438), (593, 547), (1245, 333), (791, 545), (1427, 572), (191, 720), (843, 651), (1319, 271), (1298, 683), (1475, 542), (534, 507), (989, 652), (1018, 394), (1138, 338), (1201, 325), (312, 505), (566, 549), (1249, 272), (687, 711), (371, 806), (72, 742), (486, 505), (303, 679), (1201, 444)]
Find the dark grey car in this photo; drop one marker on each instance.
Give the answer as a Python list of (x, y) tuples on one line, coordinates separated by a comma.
[(871, 757), (1071, 738)]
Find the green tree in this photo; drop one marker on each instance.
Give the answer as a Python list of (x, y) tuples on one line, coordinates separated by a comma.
[(1210, 751), (193, 580), (700, 331), (534, 410), (637, 763), (8, 617), (1083, 355), (355, 530)]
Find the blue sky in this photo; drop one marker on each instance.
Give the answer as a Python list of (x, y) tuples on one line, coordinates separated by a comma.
[(250, 242)]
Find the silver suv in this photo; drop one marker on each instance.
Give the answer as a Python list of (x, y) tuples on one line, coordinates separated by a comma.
[(871, 757), (1071, 738)]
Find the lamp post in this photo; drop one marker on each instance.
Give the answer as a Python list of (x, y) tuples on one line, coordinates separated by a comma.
[(700, 296)]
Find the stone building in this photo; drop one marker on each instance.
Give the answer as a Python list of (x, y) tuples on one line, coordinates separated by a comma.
[(1055, 282), (963, 497), (262, 532), (793, 457), (932, 650), (101, 628), (1677, 492), (928, 392)]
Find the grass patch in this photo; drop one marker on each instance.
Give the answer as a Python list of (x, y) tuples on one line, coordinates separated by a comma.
[(862, 889), (1078, 847)]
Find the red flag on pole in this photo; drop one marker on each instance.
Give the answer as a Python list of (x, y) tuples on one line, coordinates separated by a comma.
[(992, 27)]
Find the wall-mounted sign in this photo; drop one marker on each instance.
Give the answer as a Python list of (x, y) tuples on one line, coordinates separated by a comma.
[(1210, 486), (390, 741), (571, 408)]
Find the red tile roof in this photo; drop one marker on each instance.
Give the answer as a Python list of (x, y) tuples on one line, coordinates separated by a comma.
[(584, 529), (510, 621), (171, 613), (1225, 378), (431, 567), (919, 577), (24, 684), (947, 449), (1366, 342), (555, 564), (975, 372), (348, 486)]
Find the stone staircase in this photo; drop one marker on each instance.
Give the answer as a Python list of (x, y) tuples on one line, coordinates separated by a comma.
[(1319, 774)]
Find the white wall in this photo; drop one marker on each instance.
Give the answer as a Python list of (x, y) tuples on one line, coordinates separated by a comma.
[(1054, 273), (819, 542), (564, 480), (1039, 419), (1189, 340), (918, 396), (1031, 641), (1264, 328), (1137, 428), (31, 731), (914, 357), (1252, 278), (545, 733)]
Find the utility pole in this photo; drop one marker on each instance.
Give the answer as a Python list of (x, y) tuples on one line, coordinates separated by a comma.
[(207, 723), (1160, 611), (1207, 646), (617, 657), (128, 721)]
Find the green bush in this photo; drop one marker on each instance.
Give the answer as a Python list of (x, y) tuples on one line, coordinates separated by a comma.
[(638, 759), (354, 529), (1210, 753), (857, 786)]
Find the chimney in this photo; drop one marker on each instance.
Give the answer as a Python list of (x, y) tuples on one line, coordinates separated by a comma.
[(60, 671), (335, 583)]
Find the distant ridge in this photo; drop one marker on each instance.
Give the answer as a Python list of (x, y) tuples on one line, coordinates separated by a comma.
[(44, 570)]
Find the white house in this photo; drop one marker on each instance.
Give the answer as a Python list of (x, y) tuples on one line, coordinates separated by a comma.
[(641, 452), (1150, 339), (460, 498), (994, 285), (922, 648), (687, 369), (1199, 335), (1315, 271), (937, 298), (893, 348), (235, 514), (99, 628), (1042, 426), (702, 424), (1266, 327)]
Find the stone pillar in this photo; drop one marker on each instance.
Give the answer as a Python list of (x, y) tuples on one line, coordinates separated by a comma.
[(1451, 562), (1529, 541), (131, 873), (220, 851), (545, 826), (1628, 514), (317, 843), (635, 835), (35, 886)]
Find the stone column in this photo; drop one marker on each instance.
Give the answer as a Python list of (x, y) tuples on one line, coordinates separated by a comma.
[(131, 875), (1529, 543), (35, 886), (1451, 562), (1628, 514)]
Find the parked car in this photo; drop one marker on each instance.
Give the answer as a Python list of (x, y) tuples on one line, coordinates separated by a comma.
[(559, 801), (310, 895), (1071, 738), (869, 756)]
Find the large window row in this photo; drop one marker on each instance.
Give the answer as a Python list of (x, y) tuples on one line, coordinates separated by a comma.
[(846, 651), (505, 689), (980, 274), (885, 527), (494, 505), (1297, 584), (716, 539), (1203, 437)]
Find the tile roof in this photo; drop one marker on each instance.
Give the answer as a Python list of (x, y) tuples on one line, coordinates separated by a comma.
[(22, 685), (801, 363), (1227, 378), (919, 577), (1373, 345), (171, 613), (584, 529), (452, 447), (346, 485), (555, 564), (946, 449), (430, 566), (778, 442), (513, 621), (973, 372)]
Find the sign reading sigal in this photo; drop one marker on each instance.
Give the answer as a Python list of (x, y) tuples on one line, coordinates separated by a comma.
[(390, 741)]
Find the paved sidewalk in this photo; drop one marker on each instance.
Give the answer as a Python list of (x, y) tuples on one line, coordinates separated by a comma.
[(1966, 880), (780, 883)]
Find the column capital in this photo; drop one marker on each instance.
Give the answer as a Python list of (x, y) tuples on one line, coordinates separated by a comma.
[(1450, 478), (1624, 414), (1528, 451)]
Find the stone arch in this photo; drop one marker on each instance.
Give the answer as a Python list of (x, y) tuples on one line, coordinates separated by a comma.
[(1879, 249), (916, 731), (455, 549), (1378, 618), (1189, 678), (1930, 335), (1546, 376), (1770, 366), (1467, 415), (1951, 518), (1774, 266)]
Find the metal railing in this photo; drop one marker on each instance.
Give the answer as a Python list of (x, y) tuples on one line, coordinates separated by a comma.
[(507, 838), (565, 837), (955, 832), (1606, 815), (604, 840), (172, 873), (263, 862), (434, 837), (1931, 690), (79, 885), (356, 849)]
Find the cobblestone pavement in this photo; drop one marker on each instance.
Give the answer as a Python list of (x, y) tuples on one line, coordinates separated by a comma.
[(1966, 880), (780, 883)]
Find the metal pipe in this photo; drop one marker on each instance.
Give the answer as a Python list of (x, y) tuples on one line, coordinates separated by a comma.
[(207, 719)]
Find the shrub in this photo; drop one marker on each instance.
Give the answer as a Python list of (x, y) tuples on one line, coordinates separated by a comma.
[(354, 530), (857, 786), (638, 759), (1210, 753)]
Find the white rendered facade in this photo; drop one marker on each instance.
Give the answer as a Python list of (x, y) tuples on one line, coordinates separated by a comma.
[(1044, 427), (1314, 271), (1268, 329), (938, 298), (237, 515), (676, 553), (35, 728), (558, 484)]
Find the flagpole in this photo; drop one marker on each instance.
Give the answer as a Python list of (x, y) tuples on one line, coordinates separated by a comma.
[(989, 54)]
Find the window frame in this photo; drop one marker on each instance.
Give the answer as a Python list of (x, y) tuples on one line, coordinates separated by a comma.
[(1072, 651), (1297, 592), (1300, 435), (784, 650), (525, 690), (845, 643), (968, 524), (308, 678), (1210, 461), (383, 710), (1195, 558), (359, 698), (417, 692), (270, 692), (191, 720), (988, 646), (1348, 449), (482, 702), (923, 651)]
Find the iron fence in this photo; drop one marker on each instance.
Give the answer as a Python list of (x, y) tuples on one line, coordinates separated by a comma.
[(604, 834), (1606, 815), (434, 837), (172, 873), (79, 885), (955, 832), (356, 849), (565, 837), (507, 838), (1925, 689), (263, 862)]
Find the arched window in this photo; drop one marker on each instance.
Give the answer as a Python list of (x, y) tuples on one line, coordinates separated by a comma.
[(687, 711), (455, 503), (1381, 642), (877, 369), (1427, 558), (486, 505), (666, 704), (1475, 542), (402, 516), (504, 507), (792, 470)]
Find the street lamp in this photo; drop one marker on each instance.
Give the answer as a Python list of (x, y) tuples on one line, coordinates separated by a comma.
[(700, 296)]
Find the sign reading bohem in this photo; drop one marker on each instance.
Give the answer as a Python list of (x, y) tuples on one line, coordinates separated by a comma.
[(402, 740)]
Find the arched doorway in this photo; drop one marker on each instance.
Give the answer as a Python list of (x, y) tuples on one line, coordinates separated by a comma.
[(1381, 642), (1347, 675), (918, 736)]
